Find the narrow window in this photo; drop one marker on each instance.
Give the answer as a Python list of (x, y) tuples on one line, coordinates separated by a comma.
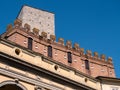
[(69, 57), (30, 42), (87, 65), (49, 51)]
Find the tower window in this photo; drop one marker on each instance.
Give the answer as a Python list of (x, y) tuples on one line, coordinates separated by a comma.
[(30, 42), (69, 57), (87, 65), (49, 51)]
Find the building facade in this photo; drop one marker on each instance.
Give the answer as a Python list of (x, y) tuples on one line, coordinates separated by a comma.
[(109, 83), (31, 59)]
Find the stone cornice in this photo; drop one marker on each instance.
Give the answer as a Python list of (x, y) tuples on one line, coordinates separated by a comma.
[(32, 53), (33, 67), (24, 78)]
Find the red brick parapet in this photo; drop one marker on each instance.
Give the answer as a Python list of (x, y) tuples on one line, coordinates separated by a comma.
[(19, 35)]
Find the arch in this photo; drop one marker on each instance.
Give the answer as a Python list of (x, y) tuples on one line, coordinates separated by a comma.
[(12, 83)]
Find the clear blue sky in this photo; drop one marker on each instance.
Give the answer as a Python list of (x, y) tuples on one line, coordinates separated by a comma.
[(94, 24)]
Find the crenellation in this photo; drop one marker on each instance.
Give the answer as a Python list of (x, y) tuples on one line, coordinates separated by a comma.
[(109, 60), (36, 31), (44, 36), (52, 38), (81, 51), (61, 41), (103, 57), (27, 27), (96, 55), (17, 23), (32, 59), (76, 46), (59, 50), (89, 53), (68, 44), (9, 27), (8, 30)]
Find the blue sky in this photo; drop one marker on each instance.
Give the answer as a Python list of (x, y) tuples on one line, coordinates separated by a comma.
[(94, 24)]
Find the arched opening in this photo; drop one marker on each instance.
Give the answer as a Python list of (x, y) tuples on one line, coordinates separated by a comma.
[(10, 87)]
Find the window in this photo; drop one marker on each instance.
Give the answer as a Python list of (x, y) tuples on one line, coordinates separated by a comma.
[(69, 57), (87, 65), (30, 40), (49, 51)]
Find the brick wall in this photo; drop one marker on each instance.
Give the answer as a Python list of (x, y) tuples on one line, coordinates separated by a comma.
[(97, 67)]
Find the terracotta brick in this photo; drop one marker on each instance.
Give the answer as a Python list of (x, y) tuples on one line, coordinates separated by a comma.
[(59, 53)]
